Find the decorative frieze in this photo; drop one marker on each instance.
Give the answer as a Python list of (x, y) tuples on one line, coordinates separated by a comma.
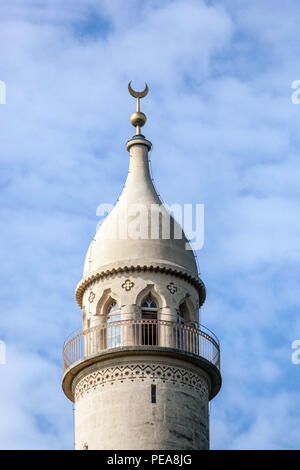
[(134, 372), (196, 282)]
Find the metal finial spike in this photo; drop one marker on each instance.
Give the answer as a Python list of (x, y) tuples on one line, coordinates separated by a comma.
[(138, 119)]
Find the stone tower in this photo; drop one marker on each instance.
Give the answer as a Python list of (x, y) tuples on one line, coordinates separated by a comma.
[(142, 370)]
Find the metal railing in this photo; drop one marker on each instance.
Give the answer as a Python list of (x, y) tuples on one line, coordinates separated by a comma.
[(128, 333)]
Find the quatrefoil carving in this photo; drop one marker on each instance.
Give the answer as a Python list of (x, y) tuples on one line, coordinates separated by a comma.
[(172, 288), (127, 285), (91, 297)]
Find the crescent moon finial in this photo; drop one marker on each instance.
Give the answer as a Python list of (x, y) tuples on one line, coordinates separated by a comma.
[(138, 119), (138, 94)]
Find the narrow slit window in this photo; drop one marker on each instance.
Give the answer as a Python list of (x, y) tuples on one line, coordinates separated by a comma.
[(153, 393)]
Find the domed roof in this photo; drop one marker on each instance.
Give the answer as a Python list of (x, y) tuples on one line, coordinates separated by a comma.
[(133, 234)]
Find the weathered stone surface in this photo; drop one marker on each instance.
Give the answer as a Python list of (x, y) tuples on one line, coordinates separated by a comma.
[(113, 408)]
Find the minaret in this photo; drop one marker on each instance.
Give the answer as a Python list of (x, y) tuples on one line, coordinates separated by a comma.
[(142, 370)]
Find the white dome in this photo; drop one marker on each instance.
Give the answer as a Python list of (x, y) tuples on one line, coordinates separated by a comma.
[(115, 244)]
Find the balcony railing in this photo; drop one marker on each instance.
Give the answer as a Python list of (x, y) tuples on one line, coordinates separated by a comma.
[(141, 333)]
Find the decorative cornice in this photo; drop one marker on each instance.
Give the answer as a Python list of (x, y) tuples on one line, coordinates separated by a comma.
[(196, 282)]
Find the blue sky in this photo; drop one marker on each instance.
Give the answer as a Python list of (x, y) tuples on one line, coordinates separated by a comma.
[(225, 133)]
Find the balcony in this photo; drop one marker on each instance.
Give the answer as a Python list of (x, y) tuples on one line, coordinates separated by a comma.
[(155, 335)]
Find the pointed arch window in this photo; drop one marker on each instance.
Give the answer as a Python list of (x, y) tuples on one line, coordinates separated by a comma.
[(181, 314), (149, 303), (149, 308), (149, 327), (113, 319)]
